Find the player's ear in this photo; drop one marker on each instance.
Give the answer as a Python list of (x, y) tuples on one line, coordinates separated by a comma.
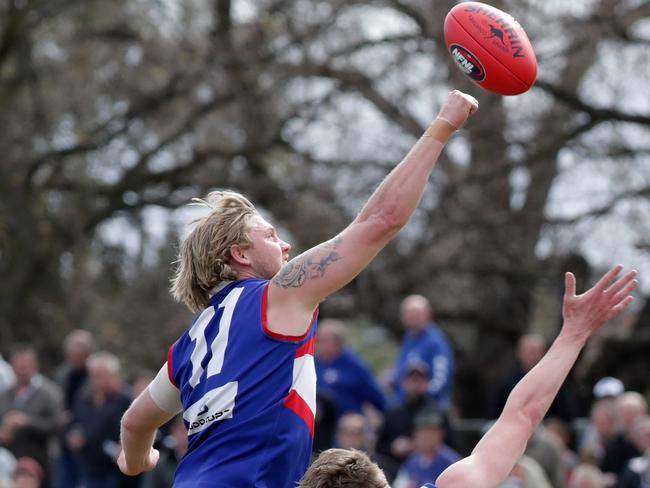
[(239, 254)]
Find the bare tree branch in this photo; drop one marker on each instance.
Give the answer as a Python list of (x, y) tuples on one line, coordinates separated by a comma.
[(598, 114), (602, 209), (358, 82)]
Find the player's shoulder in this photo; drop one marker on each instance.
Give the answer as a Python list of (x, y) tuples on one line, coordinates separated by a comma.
[(252, 282), (247, 283), (236, 291)]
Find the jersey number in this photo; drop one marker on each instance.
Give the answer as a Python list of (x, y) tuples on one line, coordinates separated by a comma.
[(219, 344), (217, 403)]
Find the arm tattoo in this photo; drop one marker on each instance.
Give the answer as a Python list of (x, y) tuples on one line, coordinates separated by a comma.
[(309, 266)]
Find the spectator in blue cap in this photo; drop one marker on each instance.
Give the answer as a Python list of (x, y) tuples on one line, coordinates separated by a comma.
[(395, 441)]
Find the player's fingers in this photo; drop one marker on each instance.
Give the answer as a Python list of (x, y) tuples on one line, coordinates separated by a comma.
[(569, 285), (629, 288), (619, 307), (473, 103), (621, 282), (608, 277), (154, 456)]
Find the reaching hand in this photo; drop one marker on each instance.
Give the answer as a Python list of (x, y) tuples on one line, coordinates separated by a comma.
[(148, 465), (584, 314), (457, 108)]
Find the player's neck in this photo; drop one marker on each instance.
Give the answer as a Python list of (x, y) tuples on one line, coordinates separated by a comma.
[(244, 272)]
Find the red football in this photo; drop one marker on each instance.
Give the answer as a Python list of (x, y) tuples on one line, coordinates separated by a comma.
[(491, 48)]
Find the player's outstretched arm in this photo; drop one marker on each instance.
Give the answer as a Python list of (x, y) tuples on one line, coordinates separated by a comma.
[(306, 280), (501, 447)]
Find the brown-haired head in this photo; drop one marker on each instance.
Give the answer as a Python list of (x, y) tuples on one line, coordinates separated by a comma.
[(343, 468), (204, 256)]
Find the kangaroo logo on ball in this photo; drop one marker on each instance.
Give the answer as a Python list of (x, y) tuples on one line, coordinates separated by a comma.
[(496, 33)]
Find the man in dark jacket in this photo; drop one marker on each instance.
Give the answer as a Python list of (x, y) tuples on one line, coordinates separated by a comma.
[(94, 433)]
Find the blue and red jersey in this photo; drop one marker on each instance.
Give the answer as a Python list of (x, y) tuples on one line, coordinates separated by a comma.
[(248, 394)]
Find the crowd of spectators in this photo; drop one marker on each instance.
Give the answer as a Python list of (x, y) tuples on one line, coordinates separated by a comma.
[(63, 431)]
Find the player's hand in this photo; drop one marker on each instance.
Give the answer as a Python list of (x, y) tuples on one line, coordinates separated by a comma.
[(584, 314), (457, 108), (149, 463)]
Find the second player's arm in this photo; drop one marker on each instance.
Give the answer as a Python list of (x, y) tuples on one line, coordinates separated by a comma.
[(501, 447), (310, 277)]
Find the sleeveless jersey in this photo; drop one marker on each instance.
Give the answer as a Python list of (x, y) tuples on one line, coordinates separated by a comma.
[(248, 394)]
